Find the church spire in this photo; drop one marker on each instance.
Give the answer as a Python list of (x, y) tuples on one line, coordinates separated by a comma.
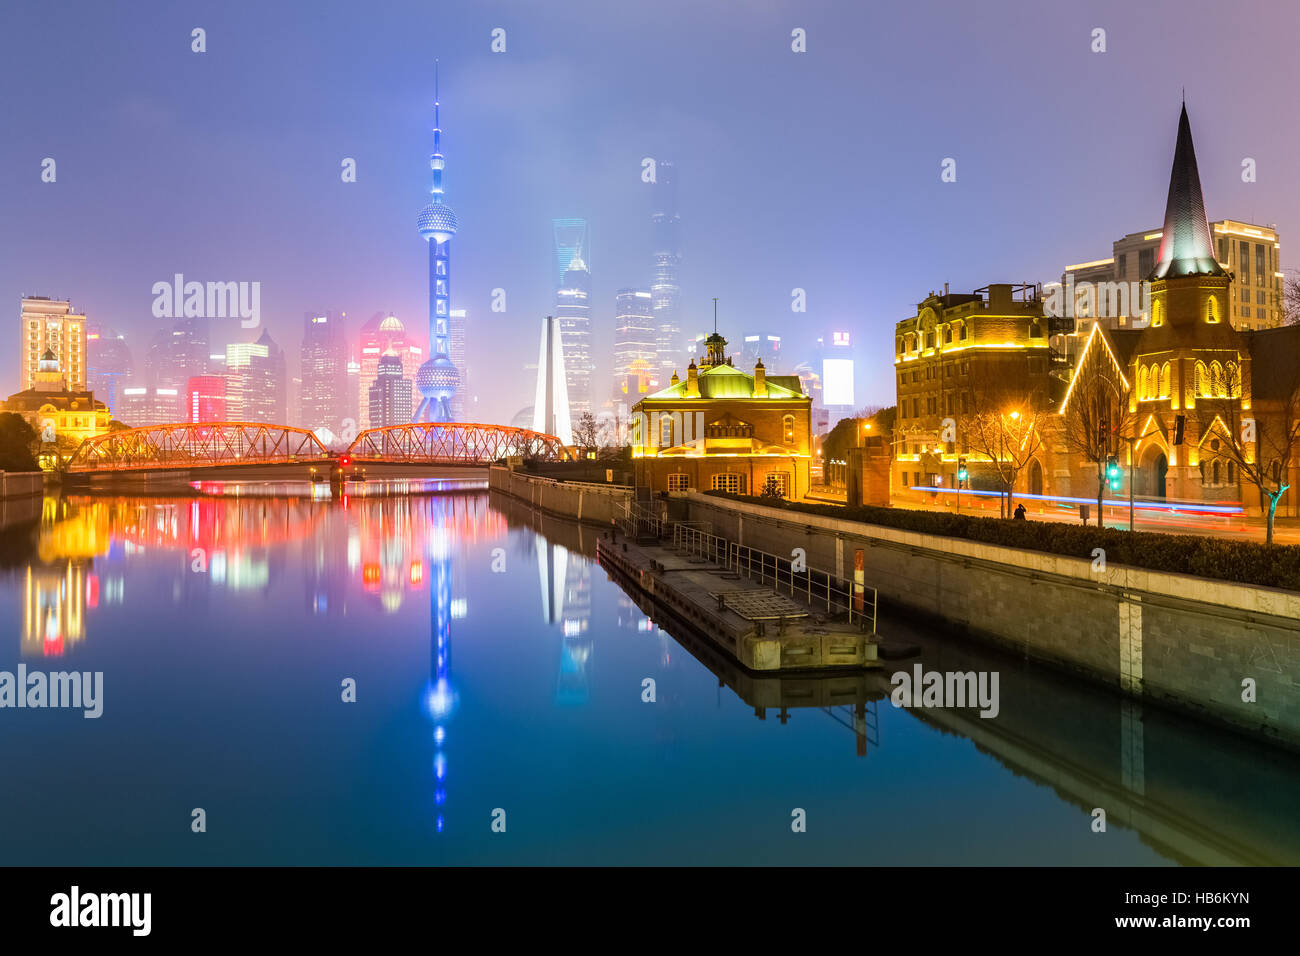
[(1185, 247)]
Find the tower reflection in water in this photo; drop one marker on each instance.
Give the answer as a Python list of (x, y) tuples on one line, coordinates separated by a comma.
[(565, 580), (402, 545)]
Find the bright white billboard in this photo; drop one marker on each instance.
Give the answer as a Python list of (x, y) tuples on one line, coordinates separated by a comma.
[(837, 381)]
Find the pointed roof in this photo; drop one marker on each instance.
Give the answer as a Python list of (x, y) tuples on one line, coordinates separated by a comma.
[(1185, 248)]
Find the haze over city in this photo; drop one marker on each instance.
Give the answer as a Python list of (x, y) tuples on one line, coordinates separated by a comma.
[(817, 170)]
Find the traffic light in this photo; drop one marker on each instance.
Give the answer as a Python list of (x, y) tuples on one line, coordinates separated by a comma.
[(962, 473), (1113, 473)]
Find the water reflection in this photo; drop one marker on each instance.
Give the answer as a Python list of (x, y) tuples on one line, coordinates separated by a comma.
[(190, 603)]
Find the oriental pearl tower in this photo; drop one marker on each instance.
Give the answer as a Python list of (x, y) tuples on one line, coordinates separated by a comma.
[(437, 380)]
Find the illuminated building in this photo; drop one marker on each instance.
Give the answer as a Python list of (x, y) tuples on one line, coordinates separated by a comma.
[(62, 417), (723, 429), (665, 285), (108, 365), (255, 381), (1249, 253), (390, 395), (205, 399), (141, 406), (462, 402), (50, 325), (951, 358), (380, 335), (438, 380), (636, 359), (323, 395), (837, 378), (573, 316), (766, 348), (1201, 359), (570, 237)]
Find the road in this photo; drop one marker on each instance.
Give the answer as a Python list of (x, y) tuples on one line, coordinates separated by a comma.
[(1286, 530)]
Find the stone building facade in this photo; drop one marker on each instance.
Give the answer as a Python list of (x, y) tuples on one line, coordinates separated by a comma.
[(723, 429)]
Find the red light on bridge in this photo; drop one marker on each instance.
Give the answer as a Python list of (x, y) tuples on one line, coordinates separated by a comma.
[(345, 461)]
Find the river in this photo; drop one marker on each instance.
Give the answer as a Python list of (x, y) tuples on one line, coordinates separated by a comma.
[(501, 714)]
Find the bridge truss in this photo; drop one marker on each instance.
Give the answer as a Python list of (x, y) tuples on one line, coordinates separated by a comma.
[(197, 445), (453, 443)]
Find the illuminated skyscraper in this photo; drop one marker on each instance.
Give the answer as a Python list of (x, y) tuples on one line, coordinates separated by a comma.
[(573, 314), (108, 366), (51, 324), (635, 353), (462, 400), (322, 392), (379, 335), (390, 395), (665, 292), (437, 380), (205, 399), (255, 381), (570, 243)]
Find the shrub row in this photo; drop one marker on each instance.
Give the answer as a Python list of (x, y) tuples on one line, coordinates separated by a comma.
[(1245, 562)]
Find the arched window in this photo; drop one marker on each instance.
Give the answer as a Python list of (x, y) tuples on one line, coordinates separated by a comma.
[(1202, 380), (665, 431), (1158, 312), (1232, 472), (1233, 372), (1166, 380), (1212, 309), (898, 346), (787, 426), (1214, 471), (1216, 380), (1202, 467), (1142, 383)]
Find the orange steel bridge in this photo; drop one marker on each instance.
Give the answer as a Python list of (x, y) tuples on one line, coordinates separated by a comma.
[(251, 446)]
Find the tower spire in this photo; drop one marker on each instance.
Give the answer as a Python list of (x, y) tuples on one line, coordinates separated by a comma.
[(437, 379), (1185, 246)]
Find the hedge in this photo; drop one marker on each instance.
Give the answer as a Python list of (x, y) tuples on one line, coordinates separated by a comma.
[(1243, 562)]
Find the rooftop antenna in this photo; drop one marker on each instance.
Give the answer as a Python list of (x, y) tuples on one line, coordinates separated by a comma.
[(715, 315)]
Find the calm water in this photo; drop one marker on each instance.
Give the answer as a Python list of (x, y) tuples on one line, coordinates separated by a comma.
[(496, 666)]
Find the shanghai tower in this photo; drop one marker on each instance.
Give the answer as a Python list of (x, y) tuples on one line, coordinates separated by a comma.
[(437, 379), (665, 292)]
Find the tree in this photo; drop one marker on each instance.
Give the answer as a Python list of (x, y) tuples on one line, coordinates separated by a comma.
[(1095, 413), (1008, 437), (1261, 449), (586, 435), (1003, 427), (1291, 298), (17, 438)]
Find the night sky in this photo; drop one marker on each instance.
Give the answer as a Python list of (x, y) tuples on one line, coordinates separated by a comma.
[(817, 170)]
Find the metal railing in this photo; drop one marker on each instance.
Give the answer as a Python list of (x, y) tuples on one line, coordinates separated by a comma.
[(818, 588)]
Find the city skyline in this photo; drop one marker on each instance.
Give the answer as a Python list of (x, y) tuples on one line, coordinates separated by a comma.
[(249, 209)]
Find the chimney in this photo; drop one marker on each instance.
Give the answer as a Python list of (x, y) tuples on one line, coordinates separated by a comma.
[(692, 381), (760, 380)]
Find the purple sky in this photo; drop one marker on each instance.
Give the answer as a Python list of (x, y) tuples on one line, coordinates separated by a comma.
[(818, 170)]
